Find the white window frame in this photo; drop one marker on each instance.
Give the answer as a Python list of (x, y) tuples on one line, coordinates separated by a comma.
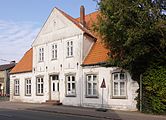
[(54, 50), (70, 92), (28, 87), (69, 48), (92, 84), (16, 87), (40, 86), (41, 54), (119, 81)]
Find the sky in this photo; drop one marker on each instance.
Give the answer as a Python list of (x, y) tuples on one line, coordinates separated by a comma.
[(21, 20)]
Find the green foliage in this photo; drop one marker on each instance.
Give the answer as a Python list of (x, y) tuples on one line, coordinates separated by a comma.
[(135, 33), (154, 90)]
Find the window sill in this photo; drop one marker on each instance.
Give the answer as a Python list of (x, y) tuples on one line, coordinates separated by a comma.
[(16, 95), (92, 97), (70, 95), (53, 59), (39, 94), (28, 95), (119, 97), (69, 56)]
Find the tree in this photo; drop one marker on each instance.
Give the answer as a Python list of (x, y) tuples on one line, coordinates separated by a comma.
[(135, 33)]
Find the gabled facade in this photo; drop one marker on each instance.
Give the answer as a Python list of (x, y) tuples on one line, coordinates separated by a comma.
[(64, 64)]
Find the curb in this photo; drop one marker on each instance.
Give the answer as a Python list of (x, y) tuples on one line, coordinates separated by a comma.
[(75, 114)]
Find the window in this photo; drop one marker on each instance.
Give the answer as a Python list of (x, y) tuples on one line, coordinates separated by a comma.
[(28, 87), (70, 85), (16, 87), (40, 86), (119, 84), (69, 48), (41, 54), (54, 51), (91, 85)]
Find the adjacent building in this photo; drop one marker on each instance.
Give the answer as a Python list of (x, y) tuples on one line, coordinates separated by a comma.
[(66, 64), (5, 78)]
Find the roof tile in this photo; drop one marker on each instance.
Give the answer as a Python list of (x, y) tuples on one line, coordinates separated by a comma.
[(25, 64), (98, 52), (6, 66)]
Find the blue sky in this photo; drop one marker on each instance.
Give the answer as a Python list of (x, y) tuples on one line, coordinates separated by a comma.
[(21, 20)]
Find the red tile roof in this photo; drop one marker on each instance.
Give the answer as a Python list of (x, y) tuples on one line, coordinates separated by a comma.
[(98, 52), (25, 64)]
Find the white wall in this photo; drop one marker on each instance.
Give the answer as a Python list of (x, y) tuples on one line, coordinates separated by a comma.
[(21, 97), (63, 31), (102, 72)]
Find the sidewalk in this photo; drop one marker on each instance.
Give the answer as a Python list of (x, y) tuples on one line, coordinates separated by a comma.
[(80, 111), (90, 112)]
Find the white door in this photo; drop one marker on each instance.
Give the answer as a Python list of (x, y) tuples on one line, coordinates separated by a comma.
[(54, 87)]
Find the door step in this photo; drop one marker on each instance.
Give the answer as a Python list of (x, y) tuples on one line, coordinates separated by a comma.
[(52, 102)]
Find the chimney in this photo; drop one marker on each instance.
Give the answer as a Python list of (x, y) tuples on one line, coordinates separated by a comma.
[(82, 16)]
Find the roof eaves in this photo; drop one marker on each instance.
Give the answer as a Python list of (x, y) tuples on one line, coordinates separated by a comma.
[(95, 64), (20, 72)]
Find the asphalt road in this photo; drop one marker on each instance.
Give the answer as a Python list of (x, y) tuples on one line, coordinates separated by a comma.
[(6, 114)]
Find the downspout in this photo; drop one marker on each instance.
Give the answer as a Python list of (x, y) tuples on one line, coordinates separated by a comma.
[(81, 80)]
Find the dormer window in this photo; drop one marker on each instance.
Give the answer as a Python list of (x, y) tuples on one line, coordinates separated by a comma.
[(41, 54), (69, 48)]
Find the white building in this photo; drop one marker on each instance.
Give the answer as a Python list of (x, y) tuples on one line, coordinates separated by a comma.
[(65, 65)]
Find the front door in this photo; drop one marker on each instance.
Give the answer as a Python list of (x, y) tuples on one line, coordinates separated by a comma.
[(54, 87)]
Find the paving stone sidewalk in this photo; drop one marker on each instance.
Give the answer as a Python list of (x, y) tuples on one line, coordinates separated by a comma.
[(80, 111)]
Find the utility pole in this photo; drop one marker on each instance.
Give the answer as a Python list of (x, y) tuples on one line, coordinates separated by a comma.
[(141, 93)]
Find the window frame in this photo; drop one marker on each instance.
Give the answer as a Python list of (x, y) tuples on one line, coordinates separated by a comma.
[(119, 81), (71, 85), (41, 84), (92, 95), (28, 87), (70, 50), (41, 54), (54, 51), (16, 87)]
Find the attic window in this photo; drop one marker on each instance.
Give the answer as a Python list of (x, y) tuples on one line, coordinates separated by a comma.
[(54, 22)]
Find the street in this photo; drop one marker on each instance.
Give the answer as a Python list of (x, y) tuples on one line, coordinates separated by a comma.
[(6, 114), (29, 111)]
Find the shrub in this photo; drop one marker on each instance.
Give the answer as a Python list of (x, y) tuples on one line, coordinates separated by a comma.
[(154, 90)]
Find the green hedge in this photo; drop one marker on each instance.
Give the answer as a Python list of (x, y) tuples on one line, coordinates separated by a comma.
[(154, 90)]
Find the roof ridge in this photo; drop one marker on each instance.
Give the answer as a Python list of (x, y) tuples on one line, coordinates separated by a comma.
[(88, 14)]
